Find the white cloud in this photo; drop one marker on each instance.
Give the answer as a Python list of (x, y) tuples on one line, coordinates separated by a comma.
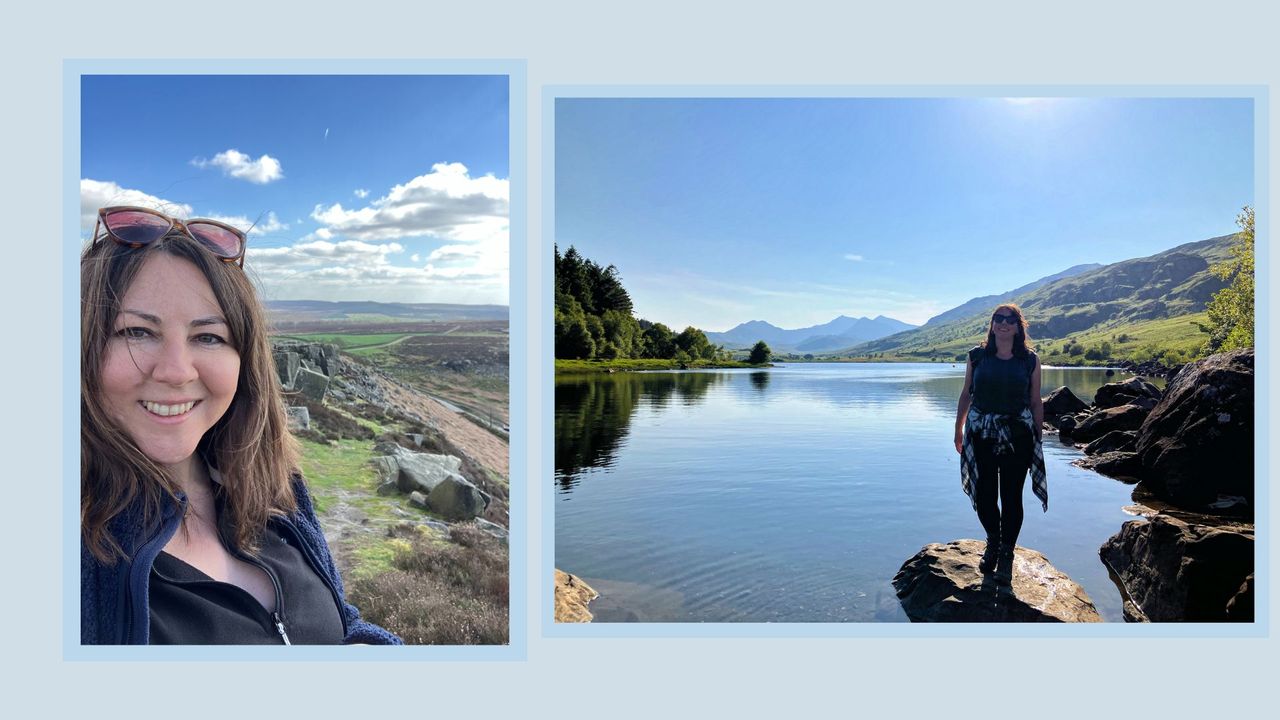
[(238, 165), (853, 257), (265, 226), (96, 194), (361, 193), (416, 258), (447, 203)]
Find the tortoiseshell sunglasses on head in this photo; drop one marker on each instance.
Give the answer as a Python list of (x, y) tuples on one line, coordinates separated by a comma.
[(136, 227)]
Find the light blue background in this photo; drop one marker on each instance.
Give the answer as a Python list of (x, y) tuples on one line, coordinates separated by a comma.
[(929, 43)]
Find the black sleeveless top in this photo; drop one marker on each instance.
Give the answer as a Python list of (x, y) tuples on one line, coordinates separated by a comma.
[(1001, 386)]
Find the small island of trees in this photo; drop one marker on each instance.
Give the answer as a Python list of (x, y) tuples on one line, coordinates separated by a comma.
[(594, 321)]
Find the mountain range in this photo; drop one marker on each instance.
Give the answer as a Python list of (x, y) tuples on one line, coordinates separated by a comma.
[(838, 333)]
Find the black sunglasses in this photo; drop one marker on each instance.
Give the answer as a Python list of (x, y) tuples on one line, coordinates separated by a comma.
[(1006, 319)]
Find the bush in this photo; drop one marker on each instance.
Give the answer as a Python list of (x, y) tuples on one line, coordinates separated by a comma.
[(453, 593)]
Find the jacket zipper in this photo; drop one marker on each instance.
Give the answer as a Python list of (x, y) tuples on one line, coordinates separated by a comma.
[(308, 554), (280, 628)]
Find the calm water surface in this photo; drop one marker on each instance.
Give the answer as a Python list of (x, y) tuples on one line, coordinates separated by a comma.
[(792, 494)]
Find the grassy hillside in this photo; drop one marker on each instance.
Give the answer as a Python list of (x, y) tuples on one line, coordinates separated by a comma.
[(1155, 303)]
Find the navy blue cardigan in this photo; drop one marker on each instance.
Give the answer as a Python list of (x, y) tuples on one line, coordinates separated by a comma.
[(114, 608)]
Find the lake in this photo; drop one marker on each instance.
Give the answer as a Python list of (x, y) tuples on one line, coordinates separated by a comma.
[(791, 494)]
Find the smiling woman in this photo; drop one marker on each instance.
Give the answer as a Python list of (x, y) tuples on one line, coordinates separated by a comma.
[(195, 525)]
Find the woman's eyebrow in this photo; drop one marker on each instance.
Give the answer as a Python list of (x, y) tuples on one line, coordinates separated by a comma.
[(198, 322)]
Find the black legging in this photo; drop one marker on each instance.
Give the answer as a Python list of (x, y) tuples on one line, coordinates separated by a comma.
[(1008, 473)]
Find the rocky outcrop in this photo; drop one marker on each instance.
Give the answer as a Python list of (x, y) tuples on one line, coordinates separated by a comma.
[(942, 583), (1119, 465), (1173, 570), (432, 482), (1123, 417), (1197, 443), (572, 598), (1116, 440), (1125, 392), (1062, 402)]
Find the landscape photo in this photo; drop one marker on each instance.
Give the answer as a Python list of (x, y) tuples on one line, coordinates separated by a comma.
[(377, 212), (764, 312)]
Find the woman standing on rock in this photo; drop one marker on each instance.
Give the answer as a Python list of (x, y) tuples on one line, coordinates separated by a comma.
[(998, 422), (195, 526)]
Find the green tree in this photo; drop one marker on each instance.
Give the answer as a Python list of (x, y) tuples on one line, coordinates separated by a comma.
[(760, 353), (1231, 309), (659, 342)]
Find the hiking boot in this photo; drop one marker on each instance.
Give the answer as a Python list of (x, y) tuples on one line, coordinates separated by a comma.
[(989, 556), (1004, 564)]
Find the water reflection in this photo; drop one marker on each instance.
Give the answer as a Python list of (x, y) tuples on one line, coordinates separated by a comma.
[(593, 413)]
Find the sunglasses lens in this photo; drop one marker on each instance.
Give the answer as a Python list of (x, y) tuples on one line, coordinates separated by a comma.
[(217, 238), (136, 228)]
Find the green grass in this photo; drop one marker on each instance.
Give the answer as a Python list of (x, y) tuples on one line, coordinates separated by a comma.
[(351, 341), (631, 364), (330, 469), (1179, 336)]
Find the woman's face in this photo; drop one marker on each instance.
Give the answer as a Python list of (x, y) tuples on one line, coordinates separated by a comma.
[(1005, 329), (169, 371)]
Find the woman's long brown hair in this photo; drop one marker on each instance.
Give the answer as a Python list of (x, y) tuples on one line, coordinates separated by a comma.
[(1021, 340), (250, 445)]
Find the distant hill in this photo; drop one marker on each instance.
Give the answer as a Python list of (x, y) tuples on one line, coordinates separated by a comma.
[(1169, 284), (987, 302), (840, 332), (293, 311)]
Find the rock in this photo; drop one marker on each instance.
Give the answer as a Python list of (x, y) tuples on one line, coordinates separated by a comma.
[(1198, 441), (572, 598), (1122, 466), (1062, 402), (422, 471), (493, 529), (418, 500), (286, 367), (1240, 606), (1124, 392), (1173, 570), (1125, 440), (311, 384), (1125, 417), (1066, 425), (456, 498), (942, 583), (417, 439), (297, 418), (386, 468)]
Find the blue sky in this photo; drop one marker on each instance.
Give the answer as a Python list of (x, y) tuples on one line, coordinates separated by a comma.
[(794, 210), (390, 188)]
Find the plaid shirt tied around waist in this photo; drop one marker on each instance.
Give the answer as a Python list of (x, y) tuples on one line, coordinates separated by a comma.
[(998, 428)]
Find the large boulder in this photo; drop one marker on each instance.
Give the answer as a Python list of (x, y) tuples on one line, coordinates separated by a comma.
[(456, 498), (1062, 402), (1125, 440), (287, 365), (311, 384), (1122, 466), (942, 583), (1172, 570), (1125, 417), (421, 471), (431, 481), (1197, 443), (1125, 392), (572, 598)]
